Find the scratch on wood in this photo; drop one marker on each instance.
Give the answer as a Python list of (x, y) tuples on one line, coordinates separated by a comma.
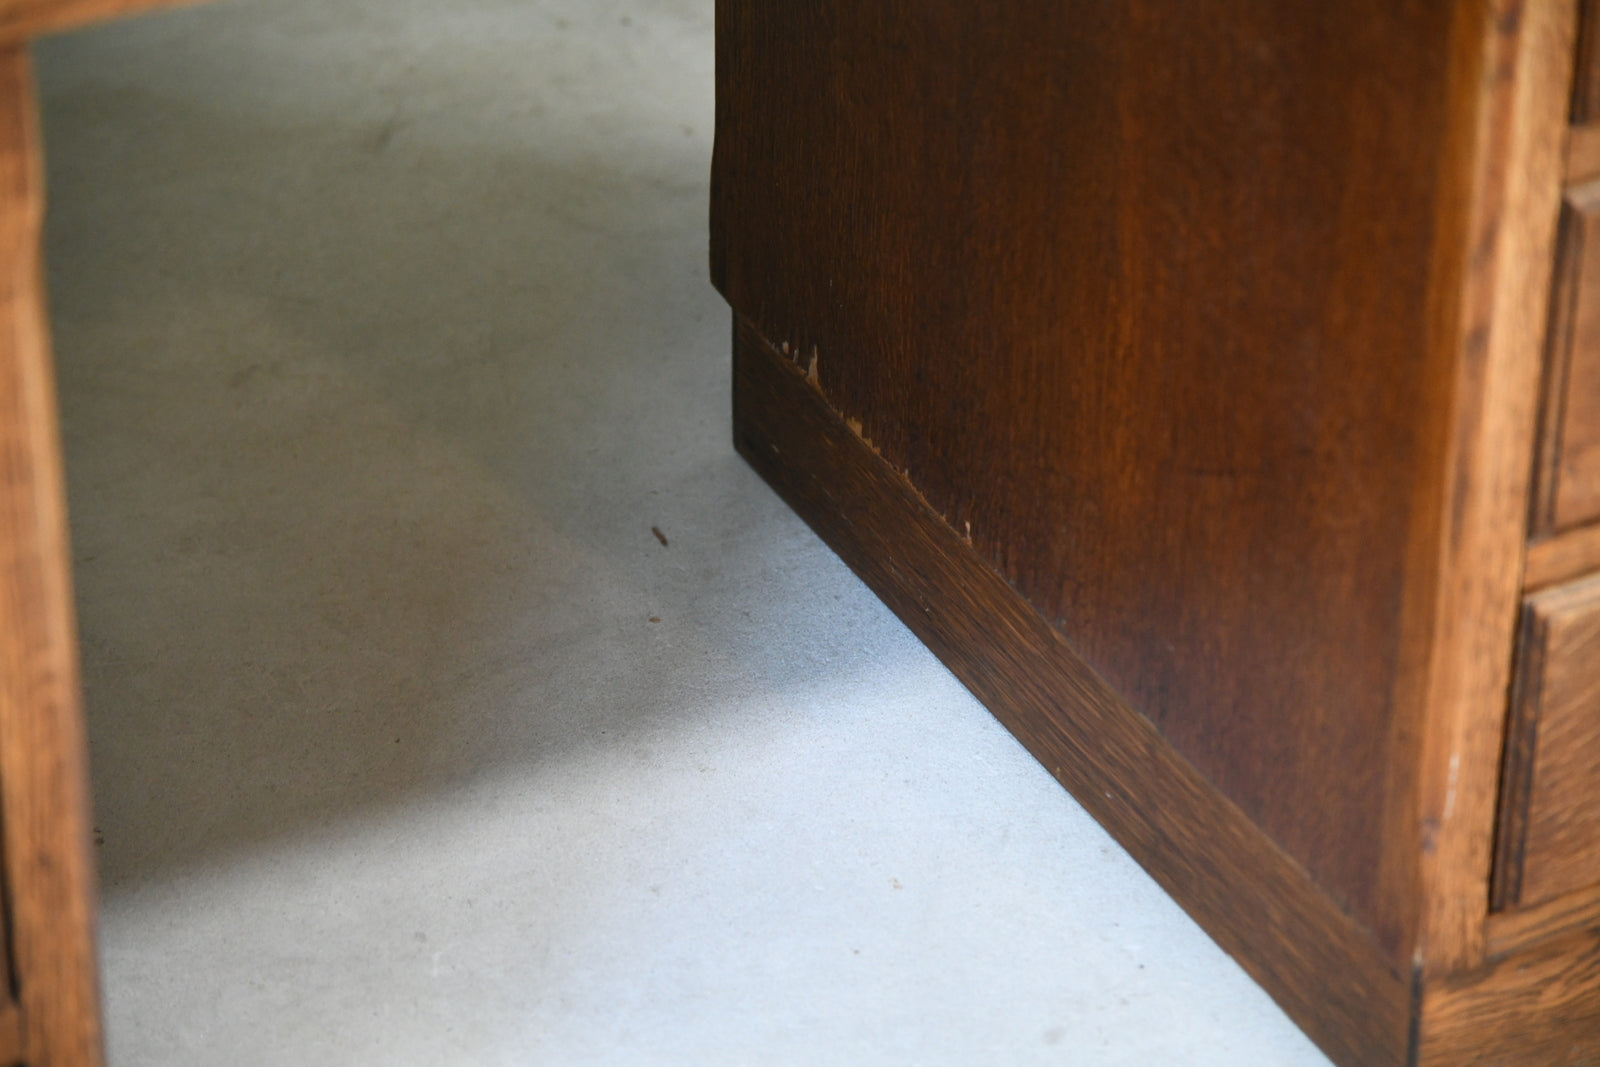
[(855, 428)]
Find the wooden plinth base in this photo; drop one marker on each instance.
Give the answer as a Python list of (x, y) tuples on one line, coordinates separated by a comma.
[(1541, 1005), (1255, 901)]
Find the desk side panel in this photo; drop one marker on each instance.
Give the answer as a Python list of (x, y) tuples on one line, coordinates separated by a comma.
[(1138, 297)]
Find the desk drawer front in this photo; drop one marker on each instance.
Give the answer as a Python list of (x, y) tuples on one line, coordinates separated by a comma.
[(1568, 481), (1550, 829)]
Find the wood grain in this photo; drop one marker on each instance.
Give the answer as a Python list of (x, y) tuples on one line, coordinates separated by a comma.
[(1568, 492), (43, 781), (24, 19), (1193, 317), (1512, 931), (1550, 837), (1496, 228), (1251, 897), (1562, 557), (1538, 1008)]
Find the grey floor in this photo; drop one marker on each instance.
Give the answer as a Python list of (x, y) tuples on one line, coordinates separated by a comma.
[(384, 339)]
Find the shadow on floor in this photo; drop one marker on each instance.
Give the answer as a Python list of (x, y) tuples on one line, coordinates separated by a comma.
[(371, 402)]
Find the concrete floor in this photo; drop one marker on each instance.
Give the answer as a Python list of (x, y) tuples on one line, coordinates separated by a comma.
[(384, 339)]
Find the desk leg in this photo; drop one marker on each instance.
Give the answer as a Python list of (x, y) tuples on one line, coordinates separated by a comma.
[(51, 1018)]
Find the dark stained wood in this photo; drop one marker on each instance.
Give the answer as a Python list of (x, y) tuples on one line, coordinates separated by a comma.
[(1550, 838), (1257, 902), (1517, 772), (1190, 316), (1569, 478), (1537, 1008), (43, 780), (1586, 75)]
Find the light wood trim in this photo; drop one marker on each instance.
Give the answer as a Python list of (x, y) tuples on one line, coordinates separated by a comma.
[(1247, 893), (43, 779), (1514, 71), (22, 19), (1583, 153), (1510, 931), (1562, 558), (13, 1048), (1539, 1006)]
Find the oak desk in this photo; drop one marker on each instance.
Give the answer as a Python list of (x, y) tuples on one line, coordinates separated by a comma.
[(1178, 373)]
